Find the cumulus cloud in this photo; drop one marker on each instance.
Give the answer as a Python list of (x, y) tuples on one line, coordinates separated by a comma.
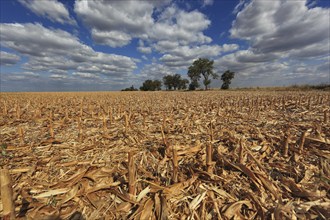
[(248, 56), (86, 75), (181, 57), (51, 9), (58, 77), (165, 45), (8, 59), (239, 6), (143, 49), (270, 70), (19, 76), (175, 24), (283, 26), (229, 47), (171, 32), (57, 50), (154, 71), (231, 61), (287, 42), (250, 71), (116, 22), (36, 40), (129, 16), (124, 17), (111, 38)]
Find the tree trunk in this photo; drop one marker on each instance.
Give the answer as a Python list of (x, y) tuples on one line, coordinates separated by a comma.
[(206, 79)]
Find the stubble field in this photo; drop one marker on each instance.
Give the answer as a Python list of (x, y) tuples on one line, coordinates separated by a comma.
[(165, 155)]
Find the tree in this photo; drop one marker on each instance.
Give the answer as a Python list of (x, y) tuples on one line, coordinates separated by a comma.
[(151, 85), (167, 80), (226, 77), (193, 85), (130, 89), (157, 85), (183, 84), (202, 67), (175, 82)]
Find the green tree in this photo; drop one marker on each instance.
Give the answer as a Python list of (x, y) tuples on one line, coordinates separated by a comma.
[(226, 77), (151, 85), (168, 82), (175, 82), (157, 85), (176, 78), (183, 84), (130, 89), (193, 85), (202, 67)]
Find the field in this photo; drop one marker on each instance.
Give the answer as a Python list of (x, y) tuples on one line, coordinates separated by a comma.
[(165, 155)]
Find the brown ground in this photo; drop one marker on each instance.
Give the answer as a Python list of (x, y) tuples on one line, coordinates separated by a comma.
[(67, 155)]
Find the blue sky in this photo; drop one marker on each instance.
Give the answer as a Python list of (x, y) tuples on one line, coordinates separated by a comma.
[(110, 45)]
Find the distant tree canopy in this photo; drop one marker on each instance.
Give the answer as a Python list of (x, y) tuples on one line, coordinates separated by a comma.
[(175, 82), (226, 77), (201, 67), (151, 85), (193, 85), (130, 89)]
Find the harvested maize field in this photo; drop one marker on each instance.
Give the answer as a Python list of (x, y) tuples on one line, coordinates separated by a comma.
[(165, 155)]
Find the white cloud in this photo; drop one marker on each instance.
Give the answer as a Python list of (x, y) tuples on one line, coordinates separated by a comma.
[(143, 49), (183, 27), (181, 57), (248, 64), (86, 75), (239, 6), (287, 41), (89, 68), (56, 50), (36, 40), (19, 76), (125, 17), (169, 33), (8, 59), (269, 70), (231, 62), (165, 45), (111, 38), (58, 71), (134, 19), (51, 9), (207, 2), (154, 71), (248, 56), (283, 26), (321, 49), (229, 47), (58, 77)]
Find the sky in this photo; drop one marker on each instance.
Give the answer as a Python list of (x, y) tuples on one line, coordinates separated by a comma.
[(76, 45)]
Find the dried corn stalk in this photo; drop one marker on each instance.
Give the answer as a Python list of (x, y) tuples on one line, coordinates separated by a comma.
[(166, 155)]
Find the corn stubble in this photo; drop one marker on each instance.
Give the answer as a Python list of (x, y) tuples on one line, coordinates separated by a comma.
[(165, 155)]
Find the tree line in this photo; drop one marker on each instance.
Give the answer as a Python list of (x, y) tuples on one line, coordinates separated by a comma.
[(201, 70)]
